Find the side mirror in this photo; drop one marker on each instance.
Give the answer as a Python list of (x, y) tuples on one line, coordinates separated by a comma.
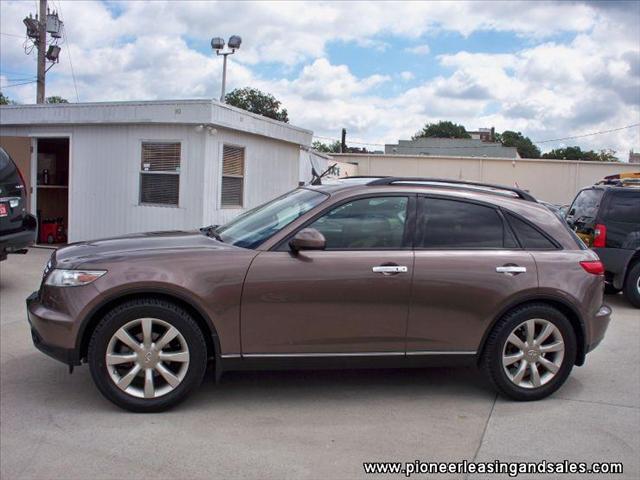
[(308, 239)]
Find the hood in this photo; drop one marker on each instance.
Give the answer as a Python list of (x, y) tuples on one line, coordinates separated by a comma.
[(136, 245)]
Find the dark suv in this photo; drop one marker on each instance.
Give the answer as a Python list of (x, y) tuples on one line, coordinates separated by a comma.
[(17, 227), (366, 272), (607, 218)]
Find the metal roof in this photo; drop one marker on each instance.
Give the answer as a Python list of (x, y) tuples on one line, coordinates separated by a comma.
[(194, 112), (463, 147)]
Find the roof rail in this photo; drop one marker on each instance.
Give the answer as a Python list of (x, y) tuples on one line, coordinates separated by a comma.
[(461, 183)]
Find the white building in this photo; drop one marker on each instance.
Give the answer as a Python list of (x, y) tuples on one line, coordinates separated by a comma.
[(108, 169)]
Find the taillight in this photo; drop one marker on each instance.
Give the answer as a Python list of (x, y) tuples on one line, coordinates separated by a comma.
[(593, 267), (599, 235)]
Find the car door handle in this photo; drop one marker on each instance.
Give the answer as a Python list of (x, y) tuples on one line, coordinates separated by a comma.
[(390, 269), (511, 269)]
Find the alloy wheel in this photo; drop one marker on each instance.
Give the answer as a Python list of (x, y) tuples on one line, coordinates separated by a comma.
[(147, 358), (533, 353)]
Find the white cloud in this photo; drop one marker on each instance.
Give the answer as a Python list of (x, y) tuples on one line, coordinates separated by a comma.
[(406, 75), (549, 89), (419, 49)]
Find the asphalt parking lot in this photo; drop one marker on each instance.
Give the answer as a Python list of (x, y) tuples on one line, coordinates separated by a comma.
[(304, 424)]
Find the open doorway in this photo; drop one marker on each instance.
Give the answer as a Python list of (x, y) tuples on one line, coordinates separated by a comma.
[(52, 184)]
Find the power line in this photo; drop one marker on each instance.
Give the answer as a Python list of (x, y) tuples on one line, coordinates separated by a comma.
[(11, 35), (486, 145), (589, 134), (17, 84)]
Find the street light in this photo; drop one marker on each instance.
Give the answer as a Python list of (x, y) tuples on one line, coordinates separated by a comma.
[(233, 44)]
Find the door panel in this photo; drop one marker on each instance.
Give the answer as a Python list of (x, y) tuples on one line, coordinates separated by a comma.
[(325, 302), (457, 293)]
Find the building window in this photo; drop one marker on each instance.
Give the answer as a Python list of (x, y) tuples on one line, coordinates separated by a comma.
[(232, 177), (160, 173)]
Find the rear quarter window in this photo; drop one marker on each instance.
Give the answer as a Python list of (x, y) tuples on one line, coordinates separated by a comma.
[(530, 238), (623, 207)]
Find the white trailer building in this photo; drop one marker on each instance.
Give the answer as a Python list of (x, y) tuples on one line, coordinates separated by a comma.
[(107, 169)]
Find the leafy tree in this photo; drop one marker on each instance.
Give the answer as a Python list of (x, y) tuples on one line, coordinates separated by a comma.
[(526, 148), (442, 129), (5, 100), (255, 101), (56, 99), (333, 147), (576, 153)]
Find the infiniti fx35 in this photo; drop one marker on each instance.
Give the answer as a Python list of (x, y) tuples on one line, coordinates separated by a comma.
[(365, 272)]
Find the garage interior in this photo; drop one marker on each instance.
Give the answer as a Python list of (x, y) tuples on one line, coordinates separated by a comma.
[(52, 198)]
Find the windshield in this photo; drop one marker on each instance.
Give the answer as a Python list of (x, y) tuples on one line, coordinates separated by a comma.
[(253, 227)]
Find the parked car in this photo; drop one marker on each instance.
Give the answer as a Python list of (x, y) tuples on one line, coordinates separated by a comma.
[(17, 227), (607, 218), (365, 272)]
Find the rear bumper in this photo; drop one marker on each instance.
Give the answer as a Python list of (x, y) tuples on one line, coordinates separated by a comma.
[(615, 261), (16, 241), (598, 326), (41, 328)]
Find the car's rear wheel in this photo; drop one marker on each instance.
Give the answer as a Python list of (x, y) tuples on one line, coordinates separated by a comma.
[(530, 352), (147, 355), (632, 285)]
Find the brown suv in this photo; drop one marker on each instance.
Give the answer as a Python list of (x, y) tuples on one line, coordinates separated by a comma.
[(366, 272)]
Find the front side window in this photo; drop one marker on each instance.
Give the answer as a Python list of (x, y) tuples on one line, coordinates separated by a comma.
[(160, 173), (446, 224), (365, 224), (252, 228)]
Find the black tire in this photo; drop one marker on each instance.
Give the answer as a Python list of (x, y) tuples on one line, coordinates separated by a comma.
[(491, 360), (631, 285), (609, 289), (147, 308)]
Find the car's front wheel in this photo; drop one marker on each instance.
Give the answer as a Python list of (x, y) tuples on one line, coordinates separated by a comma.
[(147, 355), (530, 352)]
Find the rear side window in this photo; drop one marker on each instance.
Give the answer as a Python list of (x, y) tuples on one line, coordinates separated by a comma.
[(530, 238), (585, 206), (623, 207), (453, 224), (8, 171)]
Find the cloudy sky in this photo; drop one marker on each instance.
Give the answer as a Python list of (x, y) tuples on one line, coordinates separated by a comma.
[(381, 70)]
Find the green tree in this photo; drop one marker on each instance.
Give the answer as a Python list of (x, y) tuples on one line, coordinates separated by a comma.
[(333, 147), (526, 148), (56, 99), (576, 153), (442, 129), (255, 101), (4, 100)]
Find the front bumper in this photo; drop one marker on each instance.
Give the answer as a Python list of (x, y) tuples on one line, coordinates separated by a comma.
[(40, 324), (598, 326)]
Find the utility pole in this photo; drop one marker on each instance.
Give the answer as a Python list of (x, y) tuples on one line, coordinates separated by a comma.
[(343, 142), (42, 49), (45, 22)]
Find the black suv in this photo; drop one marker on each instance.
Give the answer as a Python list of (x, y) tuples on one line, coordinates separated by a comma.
[(17, 227), (607, 218)]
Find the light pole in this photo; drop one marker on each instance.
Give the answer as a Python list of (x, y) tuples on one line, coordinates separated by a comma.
[(217, 44)]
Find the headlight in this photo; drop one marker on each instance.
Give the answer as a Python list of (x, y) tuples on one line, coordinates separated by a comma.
[(72, 278)]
